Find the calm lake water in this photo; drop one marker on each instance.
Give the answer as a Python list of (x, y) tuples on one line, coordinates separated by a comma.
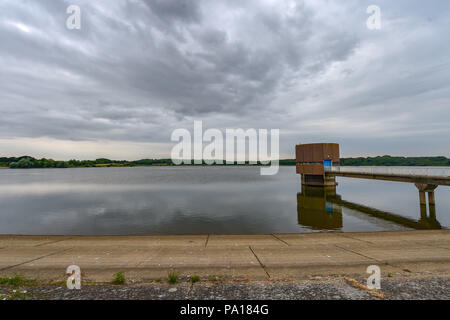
[(199, 200)]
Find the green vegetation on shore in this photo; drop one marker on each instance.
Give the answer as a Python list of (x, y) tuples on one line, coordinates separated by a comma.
[(172, 277), (396, 161), (26, 162)]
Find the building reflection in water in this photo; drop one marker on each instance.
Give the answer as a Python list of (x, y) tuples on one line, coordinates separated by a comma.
[(320, 208), (316, 210)]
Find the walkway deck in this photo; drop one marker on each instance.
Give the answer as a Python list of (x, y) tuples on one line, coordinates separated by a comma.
[(254, 257), (429, 175)]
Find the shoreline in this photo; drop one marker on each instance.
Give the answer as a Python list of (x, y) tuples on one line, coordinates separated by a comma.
[(157, 165), (212, 234)]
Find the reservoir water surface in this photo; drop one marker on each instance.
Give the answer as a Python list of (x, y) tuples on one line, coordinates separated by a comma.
[(204, 200)]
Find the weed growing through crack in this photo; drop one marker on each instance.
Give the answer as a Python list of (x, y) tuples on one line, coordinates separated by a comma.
[(172, 277)]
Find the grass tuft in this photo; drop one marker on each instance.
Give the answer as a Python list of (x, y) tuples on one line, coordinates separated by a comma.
[(172, 277), (195, 278), (119, 278)]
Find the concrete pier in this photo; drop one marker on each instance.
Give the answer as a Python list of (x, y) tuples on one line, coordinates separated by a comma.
[(431, 198), (423, 190)]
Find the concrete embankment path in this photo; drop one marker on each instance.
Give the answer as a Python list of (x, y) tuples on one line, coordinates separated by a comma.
[(232, 257)]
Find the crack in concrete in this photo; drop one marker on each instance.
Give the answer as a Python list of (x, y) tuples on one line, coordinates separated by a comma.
[(368, 257), (207, 239), (259, 261), (280, 239), (38, 258), (348, 237), (49, 242), (359, 254)]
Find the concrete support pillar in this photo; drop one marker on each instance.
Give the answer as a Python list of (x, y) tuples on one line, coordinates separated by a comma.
[(318, 180), (422, 198), (427, 188), (423, 211), (431, 198), (432, 209)]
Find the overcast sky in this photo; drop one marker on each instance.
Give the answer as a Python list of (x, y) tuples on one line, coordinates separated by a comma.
[(138, 69)]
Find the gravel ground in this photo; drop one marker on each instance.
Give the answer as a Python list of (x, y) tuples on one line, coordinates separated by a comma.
[(334, 289)]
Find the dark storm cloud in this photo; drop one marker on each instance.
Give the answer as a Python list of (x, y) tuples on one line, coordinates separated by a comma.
[(139, 68)]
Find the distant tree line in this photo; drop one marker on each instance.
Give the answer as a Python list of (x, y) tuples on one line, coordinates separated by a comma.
[(396, 161), (26, 162)]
